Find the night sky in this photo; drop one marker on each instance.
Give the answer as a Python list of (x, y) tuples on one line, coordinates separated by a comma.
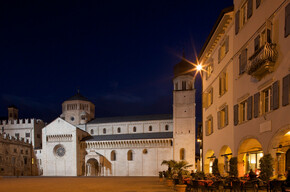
[(120, 54)]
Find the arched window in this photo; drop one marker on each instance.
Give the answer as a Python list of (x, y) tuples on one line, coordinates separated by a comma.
[(130, 155), (119, 130), (150, 128), (166, 127), (92, 131), (113, 156), (104, 130), (134, 129), (182, 154)]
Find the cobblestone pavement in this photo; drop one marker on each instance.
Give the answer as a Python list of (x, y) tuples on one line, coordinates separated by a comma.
[(82, 184)]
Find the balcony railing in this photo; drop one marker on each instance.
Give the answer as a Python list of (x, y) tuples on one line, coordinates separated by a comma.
[(262, 61)]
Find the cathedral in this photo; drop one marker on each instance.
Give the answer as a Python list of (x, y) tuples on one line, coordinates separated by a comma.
[(77, 144)]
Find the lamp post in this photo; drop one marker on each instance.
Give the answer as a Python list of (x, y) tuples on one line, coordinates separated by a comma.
[(198, 68)]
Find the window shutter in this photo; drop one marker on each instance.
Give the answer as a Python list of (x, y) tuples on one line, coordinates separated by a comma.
[(258, 2), (226, 116), (249, 108), (211, 95), (275, 95), (220, 85), (240, 64), (237, 22), (205, 100), (287, 20), (286, 90), (244, 58), (256, 104), (211, 125), (227, 44), (250, 8), (243, 61), (219, 119), (206, 128), (257, 42), (236, 114), (219, 55), (226, 81)]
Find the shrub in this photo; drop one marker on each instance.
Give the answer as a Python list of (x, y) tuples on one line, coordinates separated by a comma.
[(233, 167), (266, 167), (215, 168)]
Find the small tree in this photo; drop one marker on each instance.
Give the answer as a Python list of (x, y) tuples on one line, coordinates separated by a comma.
[(266, 167), (180, 168), (170, 165), (215, 168), (233, 167)]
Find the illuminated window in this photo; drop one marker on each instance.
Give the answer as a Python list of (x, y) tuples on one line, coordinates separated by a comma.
[(243, 14), (243, 111), (209, 70), (207, 99), (223, 83), (223, 50), (223, 117), (209, 125), (265, 97)]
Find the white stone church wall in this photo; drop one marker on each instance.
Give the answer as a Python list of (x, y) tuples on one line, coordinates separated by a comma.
[(59, 132), (143, 164)]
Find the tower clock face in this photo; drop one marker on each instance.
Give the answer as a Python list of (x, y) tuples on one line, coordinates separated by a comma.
[(60, 151)]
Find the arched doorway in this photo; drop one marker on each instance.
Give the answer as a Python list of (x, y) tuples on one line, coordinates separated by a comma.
[(280, 151), (223, 159), (208, 161), (249, 155), (92, 167)]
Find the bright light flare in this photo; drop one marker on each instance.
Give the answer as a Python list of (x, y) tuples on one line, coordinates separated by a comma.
[(199, 67)]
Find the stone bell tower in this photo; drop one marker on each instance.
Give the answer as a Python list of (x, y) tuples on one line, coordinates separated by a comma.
[(184, 113), (12, 113)]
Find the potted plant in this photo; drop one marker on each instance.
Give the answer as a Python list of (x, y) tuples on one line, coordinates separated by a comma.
[(180, 169), (160, 176), (266, 165), (233, 167), (169, 173), (215, 168)]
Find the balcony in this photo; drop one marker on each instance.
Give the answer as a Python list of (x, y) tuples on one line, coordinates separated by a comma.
[(262, 61)]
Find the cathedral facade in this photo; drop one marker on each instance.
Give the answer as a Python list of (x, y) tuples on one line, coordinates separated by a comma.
[(77, 144)]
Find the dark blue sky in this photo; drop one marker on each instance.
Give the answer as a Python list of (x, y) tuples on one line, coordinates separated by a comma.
[(120, 54)]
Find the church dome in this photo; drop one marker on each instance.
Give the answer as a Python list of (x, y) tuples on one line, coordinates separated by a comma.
[(183, 68), (78, 96)]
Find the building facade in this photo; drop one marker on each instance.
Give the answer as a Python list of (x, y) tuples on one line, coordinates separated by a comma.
[(29, 129), (246, 86), (16, 157)]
